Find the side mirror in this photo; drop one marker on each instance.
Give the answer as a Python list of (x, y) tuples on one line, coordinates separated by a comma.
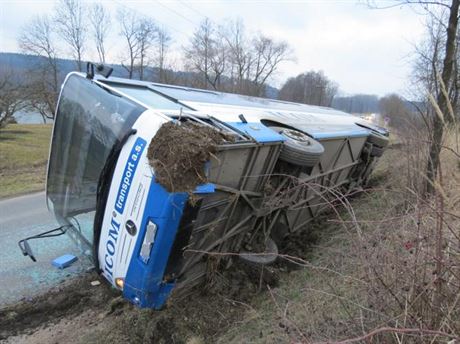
[(26, 249), (105, 71)]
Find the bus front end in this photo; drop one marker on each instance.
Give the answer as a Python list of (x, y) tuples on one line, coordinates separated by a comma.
[(101, 187)]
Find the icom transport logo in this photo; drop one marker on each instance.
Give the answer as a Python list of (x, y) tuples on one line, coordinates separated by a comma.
[(120, 201)]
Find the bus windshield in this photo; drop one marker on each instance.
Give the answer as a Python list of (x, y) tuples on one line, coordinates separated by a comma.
[(89, 122)]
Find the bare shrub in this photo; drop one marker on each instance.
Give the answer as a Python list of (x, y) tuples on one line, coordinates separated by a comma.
[(405, 251), (386, 269)]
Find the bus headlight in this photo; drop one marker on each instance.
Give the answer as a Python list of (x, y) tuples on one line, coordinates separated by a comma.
[(119, 282)]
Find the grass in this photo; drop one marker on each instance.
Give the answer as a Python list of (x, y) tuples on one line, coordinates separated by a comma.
[(375, 272), (371, 268), (359, 276), (314, 302), (23, 157)]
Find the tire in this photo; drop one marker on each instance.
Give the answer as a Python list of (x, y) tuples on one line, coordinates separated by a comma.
[(365, 153), (268, 257), (377, 139), (298, 148), (377, 151)]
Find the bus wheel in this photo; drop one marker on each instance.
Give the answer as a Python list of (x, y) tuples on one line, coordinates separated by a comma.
[(263, 258), (378, 139), (376, 151), (298, 148)]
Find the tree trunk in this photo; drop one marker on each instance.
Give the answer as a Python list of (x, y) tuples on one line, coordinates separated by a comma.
[(141, 69), (79, 60), (438, 124)]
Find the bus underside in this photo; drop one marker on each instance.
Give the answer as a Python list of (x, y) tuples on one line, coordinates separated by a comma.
[(260, 198), (281, 170)]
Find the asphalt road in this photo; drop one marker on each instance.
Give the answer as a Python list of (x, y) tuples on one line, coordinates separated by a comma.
[(20, 277)]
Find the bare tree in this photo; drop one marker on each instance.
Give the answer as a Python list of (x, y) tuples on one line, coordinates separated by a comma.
[(100, 23), (164, 40), (71, 25), (128, 25), (198, 52), (218, 64), (267, 56), (140, 35), (238, 53), (441, 45), (205, 55), (252, 61), (428, 61), (310, 88), (12, 97), (37, 38), (146, 36), (401, 113), (226, 59), (442, 100)]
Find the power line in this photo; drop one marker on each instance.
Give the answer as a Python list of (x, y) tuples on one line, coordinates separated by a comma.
[(177, 13), (216, 24), (146, 15), (198, 12), (193, 9)]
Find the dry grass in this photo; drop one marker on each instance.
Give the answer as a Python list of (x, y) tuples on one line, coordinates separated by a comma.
[(386, 270), (23, 157)]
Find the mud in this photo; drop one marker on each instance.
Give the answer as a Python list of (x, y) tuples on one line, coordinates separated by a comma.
[(100, 315), (73, 296), (207, 312), (299, 244), (179, 152)]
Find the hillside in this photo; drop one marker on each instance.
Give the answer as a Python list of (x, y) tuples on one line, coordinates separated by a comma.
[(21, 63)]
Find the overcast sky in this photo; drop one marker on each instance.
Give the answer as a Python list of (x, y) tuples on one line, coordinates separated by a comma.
[(364, 50)]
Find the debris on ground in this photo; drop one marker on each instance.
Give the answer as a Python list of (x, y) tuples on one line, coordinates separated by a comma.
[(179, 152), (64, 261)]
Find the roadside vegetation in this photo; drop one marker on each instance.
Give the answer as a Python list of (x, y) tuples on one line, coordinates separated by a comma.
[(23, 156), (386, 269), (382, 266)]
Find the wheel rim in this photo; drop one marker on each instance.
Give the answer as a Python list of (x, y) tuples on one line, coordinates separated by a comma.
[(296, 135)]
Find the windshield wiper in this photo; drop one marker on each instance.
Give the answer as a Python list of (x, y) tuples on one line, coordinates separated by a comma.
[(104, 181)]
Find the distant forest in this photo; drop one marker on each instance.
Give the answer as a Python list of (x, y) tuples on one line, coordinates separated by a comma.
[(22, 64)]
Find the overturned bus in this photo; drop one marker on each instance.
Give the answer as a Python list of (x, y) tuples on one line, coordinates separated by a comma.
[(279, 167)]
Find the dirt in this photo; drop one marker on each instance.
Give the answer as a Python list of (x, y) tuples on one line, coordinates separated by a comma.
[(179, 153), (71, 297), (76, 312), (100, 315), (297, 244), (62, 330)]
